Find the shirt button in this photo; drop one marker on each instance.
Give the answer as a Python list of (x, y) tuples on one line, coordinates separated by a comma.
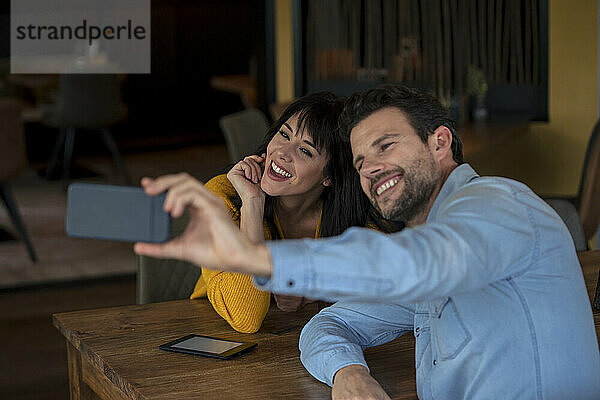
[(418, 329), (434, 362), (290, 283)]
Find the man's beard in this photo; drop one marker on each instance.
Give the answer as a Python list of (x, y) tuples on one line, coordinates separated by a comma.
[(420, 181)]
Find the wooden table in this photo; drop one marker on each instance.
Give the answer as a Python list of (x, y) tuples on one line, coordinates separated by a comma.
[(113, 354)]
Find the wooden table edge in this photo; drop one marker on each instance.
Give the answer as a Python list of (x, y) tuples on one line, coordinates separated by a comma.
[(86, 366)]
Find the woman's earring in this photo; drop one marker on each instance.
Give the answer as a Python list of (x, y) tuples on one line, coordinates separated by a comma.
[(327, 182)]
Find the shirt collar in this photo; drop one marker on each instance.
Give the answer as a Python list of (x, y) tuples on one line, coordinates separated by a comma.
[(461, 175)]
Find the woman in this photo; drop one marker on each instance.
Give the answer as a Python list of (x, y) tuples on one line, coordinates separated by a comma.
[(299, 184)]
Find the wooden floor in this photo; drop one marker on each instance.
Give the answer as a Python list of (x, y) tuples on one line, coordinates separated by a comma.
[(42, 205), (33, 363)]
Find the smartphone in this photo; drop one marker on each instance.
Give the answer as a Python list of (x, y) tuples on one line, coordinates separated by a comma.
[(112, 212), (207, 346)]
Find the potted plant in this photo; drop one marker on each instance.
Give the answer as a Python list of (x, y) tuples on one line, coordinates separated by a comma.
[(477, 87)]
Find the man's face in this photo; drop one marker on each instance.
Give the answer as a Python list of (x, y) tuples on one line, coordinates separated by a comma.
[(397, 170)]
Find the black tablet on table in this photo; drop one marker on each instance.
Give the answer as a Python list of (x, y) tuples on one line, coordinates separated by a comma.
[(207, 346)]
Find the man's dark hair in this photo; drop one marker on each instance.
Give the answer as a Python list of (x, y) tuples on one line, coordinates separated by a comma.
[(423, 111)]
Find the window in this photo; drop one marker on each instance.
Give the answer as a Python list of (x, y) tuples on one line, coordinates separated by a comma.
[(494, 52)]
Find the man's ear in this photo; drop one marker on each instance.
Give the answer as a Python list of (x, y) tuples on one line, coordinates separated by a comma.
[(327, 182), (440, 142)]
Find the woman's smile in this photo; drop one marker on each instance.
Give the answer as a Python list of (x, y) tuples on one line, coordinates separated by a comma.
[(278, 173)]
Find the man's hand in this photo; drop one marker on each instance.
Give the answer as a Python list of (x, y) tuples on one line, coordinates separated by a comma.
[(211, 238), (355, 382)]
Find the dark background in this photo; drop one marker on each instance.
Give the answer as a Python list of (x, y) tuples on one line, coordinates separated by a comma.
[(174, 105)]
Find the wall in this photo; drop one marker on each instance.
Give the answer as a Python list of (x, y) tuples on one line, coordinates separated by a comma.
[(549, 157), (284, 67)]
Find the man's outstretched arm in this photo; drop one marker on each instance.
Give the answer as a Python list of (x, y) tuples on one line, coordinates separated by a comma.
[(463, 250), (482, 236)]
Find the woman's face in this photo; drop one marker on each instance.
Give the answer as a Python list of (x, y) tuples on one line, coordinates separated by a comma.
[(293, 165)]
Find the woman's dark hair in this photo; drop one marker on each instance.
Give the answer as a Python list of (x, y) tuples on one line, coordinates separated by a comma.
[(344, 203)]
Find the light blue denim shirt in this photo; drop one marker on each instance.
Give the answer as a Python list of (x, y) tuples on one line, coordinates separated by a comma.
[(490, 286)]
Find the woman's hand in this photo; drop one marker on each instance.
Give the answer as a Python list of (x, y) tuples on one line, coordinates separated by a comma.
[(211, 238), (290, 303), (245, 177)]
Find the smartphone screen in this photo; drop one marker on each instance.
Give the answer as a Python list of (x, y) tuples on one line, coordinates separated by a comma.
[(112, 212)]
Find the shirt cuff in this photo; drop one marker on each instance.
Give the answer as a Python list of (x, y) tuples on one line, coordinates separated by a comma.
[(292, 268), (340, 360)]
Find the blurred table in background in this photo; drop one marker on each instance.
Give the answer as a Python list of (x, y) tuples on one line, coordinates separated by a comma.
[(241, 84), (40, 89), (478, 136)]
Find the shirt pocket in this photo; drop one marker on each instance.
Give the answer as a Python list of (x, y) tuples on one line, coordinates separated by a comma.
[(451, 333)]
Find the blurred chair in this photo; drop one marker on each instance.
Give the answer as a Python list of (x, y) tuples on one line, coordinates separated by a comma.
[(13, 160), (244, 132), (567, 211), (587, 202), (86, 101), (163, 280)]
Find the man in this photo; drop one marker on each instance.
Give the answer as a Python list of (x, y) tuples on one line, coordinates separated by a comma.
[(485, 275)]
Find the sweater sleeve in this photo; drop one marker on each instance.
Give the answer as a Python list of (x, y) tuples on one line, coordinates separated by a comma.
[(233, 296)]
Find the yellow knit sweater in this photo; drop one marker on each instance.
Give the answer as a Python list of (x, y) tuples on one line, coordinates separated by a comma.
[(232, 295)]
